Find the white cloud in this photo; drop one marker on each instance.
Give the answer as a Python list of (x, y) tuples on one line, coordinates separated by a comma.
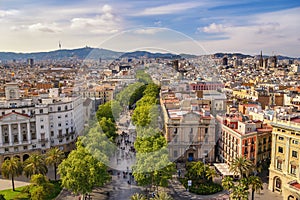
[(213, 28), (148, 31), (266, 32), (268, 27), (169, 9), (5, 13), (38, 27), (106, 22)]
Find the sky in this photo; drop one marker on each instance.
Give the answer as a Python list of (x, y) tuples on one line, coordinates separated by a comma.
[(191, 26)]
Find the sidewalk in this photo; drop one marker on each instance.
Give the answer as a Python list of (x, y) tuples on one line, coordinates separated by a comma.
[(6, 184)]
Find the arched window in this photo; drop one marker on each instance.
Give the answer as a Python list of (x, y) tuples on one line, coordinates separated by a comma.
[(277, 184)]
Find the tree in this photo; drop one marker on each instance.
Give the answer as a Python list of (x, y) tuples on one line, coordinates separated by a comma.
[(152, 167), (2, 197), (227, 183), (12, 168), (54, 157), (162, 196), (210, 173), (98, 144), (240, 191), (40, 187), (81, 172), (35, 164), (109, 128), (110, 110), (256, 184), (241, 166), (196, 170), (137, 196)]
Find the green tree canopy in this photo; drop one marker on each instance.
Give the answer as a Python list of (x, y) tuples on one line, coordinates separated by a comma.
[(109, 128), (54, 157), (81, 172), (98, 144), (241, 166), (256, 184), (40, 187), (35, 164), (110, 110), (12, 168)]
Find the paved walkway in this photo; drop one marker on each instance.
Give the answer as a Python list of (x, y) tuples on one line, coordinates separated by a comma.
[(6, 184)]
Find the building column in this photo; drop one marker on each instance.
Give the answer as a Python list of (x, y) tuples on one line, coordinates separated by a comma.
[(28, 133), (10, 135), (273, 159), (1, 136), (287, 155), (19, 133)]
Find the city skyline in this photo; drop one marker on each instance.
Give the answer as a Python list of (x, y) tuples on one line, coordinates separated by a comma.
[(214, 26)]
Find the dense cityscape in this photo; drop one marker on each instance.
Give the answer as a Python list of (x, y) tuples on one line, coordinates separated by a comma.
[(150, 100), (166, 127)]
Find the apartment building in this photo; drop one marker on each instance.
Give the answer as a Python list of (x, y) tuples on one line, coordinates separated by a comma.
[(284, 177), (189, 128), (243, 137), (37, 124)]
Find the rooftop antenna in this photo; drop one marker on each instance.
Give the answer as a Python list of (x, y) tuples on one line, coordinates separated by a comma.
[(59, 45)]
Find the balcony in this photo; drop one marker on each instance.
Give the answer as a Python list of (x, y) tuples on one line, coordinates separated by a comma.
[(43, 140)]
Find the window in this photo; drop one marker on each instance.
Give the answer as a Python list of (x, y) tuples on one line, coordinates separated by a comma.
[(52, 133), (42, 126), (50, 109), (66, 115), (280, 138), (295, 142), (58, 116), (59, 125), (175, 130), (41, 120), (175, 153), (206, 130), (280, 149), (59, 108), (279, 164), (295, 154), (293, 169), (41, 110)]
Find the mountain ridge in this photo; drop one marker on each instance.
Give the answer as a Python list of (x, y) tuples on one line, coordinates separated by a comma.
[(97, 53)]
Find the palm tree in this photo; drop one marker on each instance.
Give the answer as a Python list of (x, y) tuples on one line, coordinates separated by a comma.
[(196, 168), (241, 166), (137, 196), (256, 184), (12, 168), (227, 183), (162, 196), (240, 191), (35, 164), (54, 157), (211, 173)]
